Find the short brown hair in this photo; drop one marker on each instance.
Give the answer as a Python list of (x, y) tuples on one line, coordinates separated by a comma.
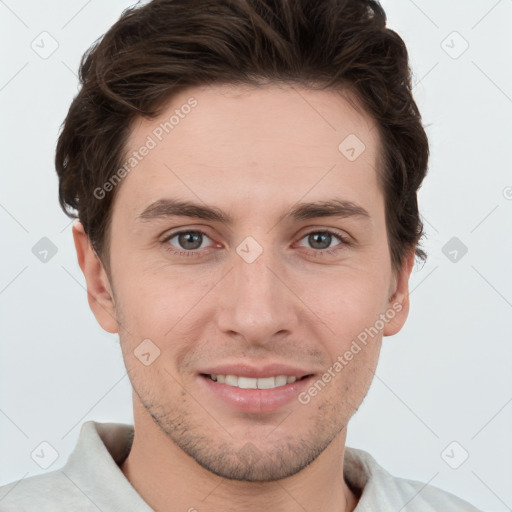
[(155, 50)]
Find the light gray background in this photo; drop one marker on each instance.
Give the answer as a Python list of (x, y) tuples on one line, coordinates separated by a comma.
[(445, 377)]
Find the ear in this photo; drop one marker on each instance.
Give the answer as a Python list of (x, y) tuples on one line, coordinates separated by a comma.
[(399, 300), (99, 292)]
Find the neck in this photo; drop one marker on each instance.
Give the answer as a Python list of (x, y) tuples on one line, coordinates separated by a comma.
[(163, 474)]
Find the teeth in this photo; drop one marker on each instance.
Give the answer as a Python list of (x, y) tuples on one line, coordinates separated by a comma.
[(231, 380), (252, 383), (266, 383), (281, 380), (247, 383)]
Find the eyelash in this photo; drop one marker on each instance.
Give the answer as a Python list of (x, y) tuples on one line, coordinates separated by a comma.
[(315, 252)]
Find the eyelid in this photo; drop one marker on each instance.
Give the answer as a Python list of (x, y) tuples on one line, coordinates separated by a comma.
[(185, 229), (324, 229), (204, 230)]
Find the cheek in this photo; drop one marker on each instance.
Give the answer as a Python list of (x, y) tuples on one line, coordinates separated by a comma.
[(348, 301), (164, 309), (351, 307)]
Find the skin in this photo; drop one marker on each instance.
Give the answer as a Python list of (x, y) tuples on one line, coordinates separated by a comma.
[(254, 153)]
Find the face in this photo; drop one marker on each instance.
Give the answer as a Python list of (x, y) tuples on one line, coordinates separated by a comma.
[(277, 267)]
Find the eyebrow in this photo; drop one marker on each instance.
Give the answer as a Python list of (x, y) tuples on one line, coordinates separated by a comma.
[(164, 208)]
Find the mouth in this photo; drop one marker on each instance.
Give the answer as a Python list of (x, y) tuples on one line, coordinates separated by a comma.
[(263, 394)]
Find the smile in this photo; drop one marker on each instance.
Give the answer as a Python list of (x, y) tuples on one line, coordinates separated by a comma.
[(254, 383)]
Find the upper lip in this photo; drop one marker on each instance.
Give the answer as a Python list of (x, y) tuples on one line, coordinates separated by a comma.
[(256, 372)]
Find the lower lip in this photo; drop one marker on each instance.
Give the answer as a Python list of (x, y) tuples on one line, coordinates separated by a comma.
[(256, 400)]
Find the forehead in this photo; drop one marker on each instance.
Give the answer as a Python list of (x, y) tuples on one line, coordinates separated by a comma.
[(246, 145)]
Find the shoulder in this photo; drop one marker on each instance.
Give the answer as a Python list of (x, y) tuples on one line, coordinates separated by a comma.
[(379, 487), (52, 491), (91, 479)]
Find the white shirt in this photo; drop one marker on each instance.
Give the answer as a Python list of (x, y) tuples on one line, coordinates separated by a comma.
[(92, 480)]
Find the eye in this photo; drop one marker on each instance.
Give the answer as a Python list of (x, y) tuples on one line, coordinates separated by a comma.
[(321, 240), (189, 241)]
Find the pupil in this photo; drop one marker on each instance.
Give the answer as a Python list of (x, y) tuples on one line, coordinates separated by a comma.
[(189, 240), (313, 240)]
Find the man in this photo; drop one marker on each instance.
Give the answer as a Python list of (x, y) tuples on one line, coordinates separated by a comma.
[(245, 175)]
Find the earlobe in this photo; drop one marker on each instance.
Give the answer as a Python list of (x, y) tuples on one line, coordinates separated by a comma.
[(398, 305), (99, 291)]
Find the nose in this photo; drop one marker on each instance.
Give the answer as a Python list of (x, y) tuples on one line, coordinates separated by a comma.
[(256, 302)]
